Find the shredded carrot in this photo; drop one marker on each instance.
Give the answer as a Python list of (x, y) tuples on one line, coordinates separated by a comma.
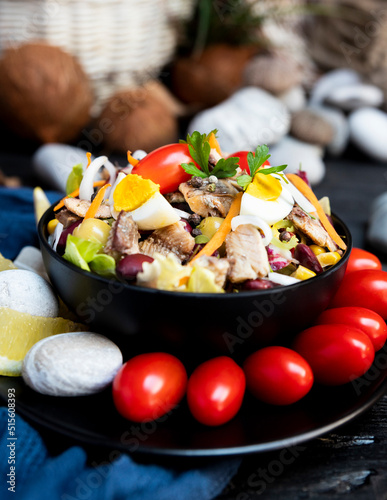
[(88, 159), (309, 194), (220, 235), (131, 160), (184, 280), (214, 143), (96, 203), (75, 193)]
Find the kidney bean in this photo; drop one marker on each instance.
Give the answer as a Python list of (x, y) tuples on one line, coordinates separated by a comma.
[(131, 265), (258, 284), (63, 237), (307, 258)]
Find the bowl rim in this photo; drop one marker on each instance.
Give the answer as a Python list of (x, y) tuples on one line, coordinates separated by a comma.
[(224, 296)]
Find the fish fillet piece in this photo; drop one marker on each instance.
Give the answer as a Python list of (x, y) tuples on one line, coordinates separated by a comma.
[(169, 239)]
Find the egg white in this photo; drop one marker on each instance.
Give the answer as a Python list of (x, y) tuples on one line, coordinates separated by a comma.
[(270, 211), (154, 213)]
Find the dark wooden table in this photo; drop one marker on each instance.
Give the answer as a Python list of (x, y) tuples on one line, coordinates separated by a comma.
[(350, 462)]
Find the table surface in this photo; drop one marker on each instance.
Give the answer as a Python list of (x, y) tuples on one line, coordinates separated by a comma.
[(348, 463)]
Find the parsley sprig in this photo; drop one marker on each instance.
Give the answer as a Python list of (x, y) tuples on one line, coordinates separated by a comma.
[(255, 163), (199, 149)]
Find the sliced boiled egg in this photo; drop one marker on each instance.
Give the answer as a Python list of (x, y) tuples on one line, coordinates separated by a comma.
[(267, 198), (143, 200)]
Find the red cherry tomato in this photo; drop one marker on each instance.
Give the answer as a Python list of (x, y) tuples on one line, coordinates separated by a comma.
[(336, 353), (364, 319), (242, 155), (163, 166), (361, 259), (148, 386), (278, 375), (215, 391), (367, 288)]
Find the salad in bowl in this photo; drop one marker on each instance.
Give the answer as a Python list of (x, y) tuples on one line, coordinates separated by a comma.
[(188, 218)]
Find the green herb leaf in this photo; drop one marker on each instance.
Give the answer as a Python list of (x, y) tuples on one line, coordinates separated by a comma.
[(272, 170), (226, 167), (199, 149), (192, 169), (255, 162), (244, 180)]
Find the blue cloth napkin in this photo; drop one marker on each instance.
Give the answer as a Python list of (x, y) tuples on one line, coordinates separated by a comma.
[(68, 475)]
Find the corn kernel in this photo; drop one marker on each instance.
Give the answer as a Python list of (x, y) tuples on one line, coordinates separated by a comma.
[(316, 249), (328, 258), (303, 273), (52, 225)]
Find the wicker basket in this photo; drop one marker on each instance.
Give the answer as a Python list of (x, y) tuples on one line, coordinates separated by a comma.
[(120, 43)]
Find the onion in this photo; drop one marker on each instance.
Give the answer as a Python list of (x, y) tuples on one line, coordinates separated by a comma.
[(139, 154), (282, 279), (298, 197), (181, 213), (86, 188), (56, 235), (255, 221)]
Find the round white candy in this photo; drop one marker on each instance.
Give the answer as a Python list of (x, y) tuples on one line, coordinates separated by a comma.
[(71, 364), (27, 292)]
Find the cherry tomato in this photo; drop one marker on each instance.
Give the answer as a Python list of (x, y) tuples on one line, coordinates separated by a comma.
[(242, 155), (361, 259), (336, 353), (162, 166), (364, 319), (278, 375), (215, 391), (148, 386), (366, 288)]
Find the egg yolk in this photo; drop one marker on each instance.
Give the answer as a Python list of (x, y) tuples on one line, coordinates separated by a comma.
[(132, 192), (264, 187)]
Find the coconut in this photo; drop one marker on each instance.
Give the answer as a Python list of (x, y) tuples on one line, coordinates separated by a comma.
[(139, 118), (213, 76), (45, 94)]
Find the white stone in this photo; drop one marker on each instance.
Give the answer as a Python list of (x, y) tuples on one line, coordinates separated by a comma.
[(294, 99), (250, 117), (337, 119), (54, 162), (295, 154), (368, 130), (30, 258), (359, 95), (27, 292), (331, 81), (71, 364)]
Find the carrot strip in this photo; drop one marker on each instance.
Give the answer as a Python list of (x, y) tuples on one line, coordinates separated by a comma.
[(220, 235), (74, 194), (214, 143), (96, 203), (88, 159), (308, 193), (131, 160)]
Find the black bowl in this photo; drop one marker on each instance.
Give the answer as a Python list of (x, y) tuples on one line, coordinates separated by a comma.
[(191, 324)]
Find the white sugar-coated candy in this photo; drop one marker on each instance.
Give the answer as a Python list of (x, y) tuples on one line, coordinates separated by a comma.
[(368, 130), (358, 95), (71, 364), (297, 154), (30, 258), (251, 116), (27, 292), (54, 162)]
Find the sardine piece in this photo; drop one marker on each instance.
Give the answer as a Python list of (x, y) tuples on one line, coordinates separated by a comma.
[(123, 237), (66, 217), (219, 267), (312, 228), (80, 207), (173, 238), (209, 203), (246, 254)]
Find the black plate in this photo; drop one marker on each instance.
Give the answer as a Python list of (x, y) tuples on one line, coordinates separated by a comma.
[(257, 428)]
